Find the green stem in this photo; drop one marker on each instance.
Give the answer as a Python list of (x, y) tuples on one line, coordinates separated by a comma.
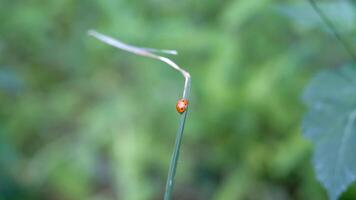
[(175, 155), (148, 52), (174, 160)]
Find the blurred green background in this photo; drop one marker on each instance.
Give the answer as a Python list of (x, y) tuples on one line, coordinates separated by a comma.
[(82, 120)]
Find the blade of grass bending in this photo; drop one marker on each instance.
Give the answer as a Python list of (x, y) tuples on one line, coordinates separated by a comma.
[(175, 155), (148, 52), (142, 51)]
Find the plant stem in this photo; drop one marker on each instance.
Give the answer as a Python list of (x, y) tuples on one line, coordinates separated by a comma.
[(175, 155), (331, 26), (149, 52)]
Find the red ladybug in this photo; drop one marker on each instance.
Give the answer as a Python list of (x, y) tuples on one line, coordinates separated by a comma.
[(182, 105)]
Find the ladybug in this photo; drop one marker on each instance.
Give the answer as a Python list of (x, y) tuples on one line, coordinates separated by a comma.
[(182, 105)]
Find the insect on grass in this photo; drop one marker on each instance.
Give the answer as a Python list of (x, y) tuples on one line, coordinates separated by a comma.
[(182, 104)]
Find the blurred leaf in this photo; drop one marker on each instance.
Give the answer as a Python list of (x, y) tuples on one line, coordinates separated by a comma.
[(10, 81), (236, 184), (342, 13), (330, 125), (238, 12)]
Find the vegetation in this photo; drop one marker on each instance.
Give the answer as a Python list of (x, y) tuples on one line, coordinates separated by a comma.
[(80, 120)]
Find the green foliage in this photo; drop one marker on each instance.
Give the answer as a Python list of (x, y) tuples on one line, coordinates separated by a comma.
[(80, 120), (330, 125), (341, 13)]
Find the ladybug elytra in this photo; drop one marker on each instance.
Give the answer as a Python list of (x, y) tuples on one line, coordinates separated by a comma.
[(182, 105)]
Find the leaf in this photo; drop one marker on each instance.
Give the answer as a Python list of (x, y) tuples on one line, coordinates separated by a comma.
[(331, 126), (342, 14)]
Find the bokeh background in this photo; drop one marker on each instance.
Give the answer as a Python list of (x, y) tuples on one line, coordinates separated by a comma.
[(82, 120)]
